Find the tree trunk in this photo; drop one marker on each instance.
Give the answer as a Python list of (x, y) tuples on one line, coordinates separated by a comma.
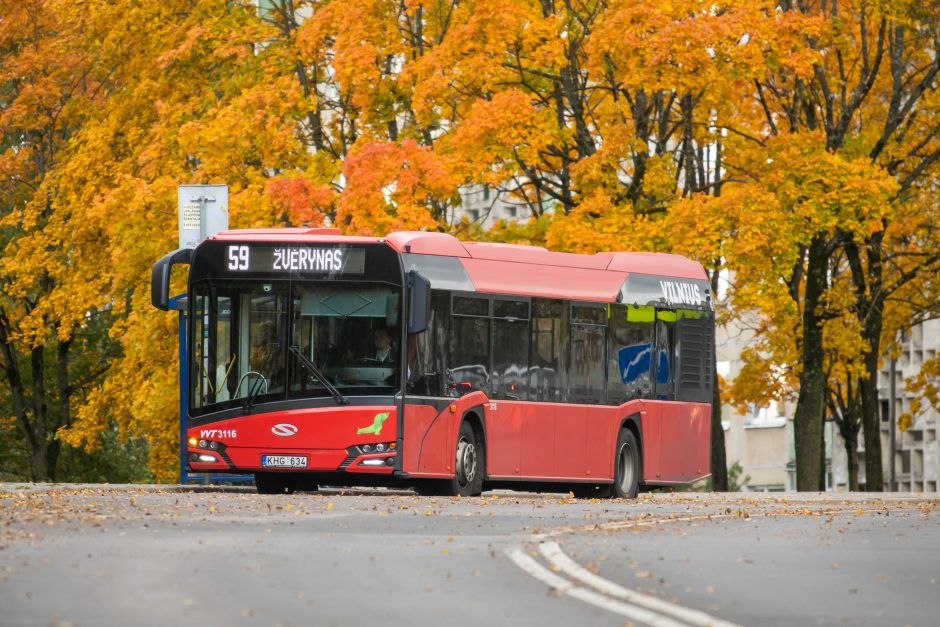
[(871, 423), (719, 462), (64, 393), (870, 296), (851, 454), (810, 404), (822, 453), (38, 457), (719, 459), (11, 369)]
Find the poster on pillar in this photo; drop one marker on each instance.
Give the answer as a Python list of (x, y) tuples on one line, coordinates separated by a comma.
[(202, 211)]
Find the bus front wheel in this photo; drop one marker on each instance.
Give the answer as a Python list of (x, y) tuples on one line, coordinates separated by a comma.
[(468, 463), (626, 466), (468, 468)]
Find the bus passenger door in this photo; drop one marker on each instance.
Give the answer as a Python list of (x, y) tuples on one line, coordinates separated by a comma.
[(508, 385)]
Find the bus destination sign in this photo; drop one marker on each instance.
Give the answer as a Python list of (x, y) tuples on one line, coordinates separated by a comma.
[(307, 259)]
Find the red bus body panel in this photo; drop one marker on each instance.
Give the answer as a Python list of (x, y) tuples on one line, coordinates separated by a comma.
[(561, 442), (504, 277), (323, 435), (430, 436), (676, 441)]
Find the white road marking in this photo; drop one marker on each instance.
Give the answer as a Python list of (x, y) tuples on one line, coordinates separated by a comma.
[(611, 596), (628, 524), (564, 586), (565, 564)]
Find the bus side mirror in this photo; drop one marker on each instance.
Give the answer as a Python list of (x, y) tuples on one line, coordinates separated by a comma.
[(160, 276), (419, 302)]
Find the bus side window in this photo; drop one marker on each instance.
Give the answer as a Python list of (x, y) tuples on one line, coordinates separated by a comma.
[(426, 350), (469, 367), (631, 352), (510, 349), (588, 354), (665, 351), (545, 372)]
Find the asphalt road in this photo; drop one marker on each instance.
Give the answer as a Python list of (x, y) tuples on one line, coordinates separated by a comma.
[(131, 555)]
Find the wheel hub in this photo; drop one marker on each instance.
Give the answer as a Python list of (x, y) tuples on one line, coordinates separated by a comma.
[(466, 461)]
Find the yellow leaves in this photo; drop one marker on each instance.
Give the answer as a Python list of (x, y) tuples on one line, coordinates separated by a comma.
[(762, 379), (496, 132), (687, 46), (191, 98), (365, 50), (390, 186), (925, 388)]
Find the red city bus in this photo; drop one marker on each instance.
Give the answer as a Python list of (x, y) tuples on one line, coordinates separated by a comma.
[(420, 360)]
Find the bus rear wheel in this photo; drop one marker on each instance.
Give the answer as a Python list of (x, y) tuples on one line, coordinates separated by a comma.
[(626, 466)]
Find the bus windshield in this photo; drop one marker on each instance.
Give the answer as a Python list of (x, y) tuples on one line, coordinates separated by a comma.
[(266, 341)]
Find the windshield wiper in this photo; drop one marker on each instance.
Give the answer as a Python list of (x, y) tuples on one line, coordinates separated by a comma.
[(340, 399), (254, 390)]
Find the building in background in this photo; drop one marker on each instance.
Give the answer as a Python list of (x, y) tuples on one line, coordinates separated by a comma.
[(485, 205), (760, 439), (917, 450)]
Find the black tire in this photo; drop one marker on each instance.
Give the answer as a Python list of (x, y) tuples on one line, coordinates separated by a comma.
[(469, 463), (271, 483), (626, 466)]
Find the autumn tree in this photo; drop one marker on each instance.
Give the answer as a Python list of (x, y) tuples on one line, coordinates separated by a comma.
[(194, 97), (869, 96), (47, 86)]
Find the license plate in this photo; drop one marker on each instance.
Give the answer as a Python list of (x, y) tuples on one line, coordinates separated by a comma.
[(284, 461)]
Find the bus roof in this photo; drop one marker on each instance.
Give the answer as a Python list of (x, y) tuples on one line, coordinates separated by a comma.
[(507, 268)]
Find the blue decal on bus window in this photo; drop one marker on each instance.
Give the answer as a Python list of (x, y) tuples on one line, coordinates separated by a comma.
[(634, 362), (662, 367)]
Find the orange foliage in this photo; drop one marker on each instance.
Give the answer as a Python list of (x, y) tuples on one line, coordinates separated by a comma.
[(299, 202), (388, 188)]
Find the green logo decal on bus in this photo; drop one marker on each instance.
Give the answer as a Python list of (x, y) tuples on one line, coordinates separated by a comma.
[(376, 426)]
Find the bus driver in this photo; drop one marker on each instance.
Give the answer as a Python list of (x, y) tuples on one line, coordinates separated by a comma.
[(383, 346)]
